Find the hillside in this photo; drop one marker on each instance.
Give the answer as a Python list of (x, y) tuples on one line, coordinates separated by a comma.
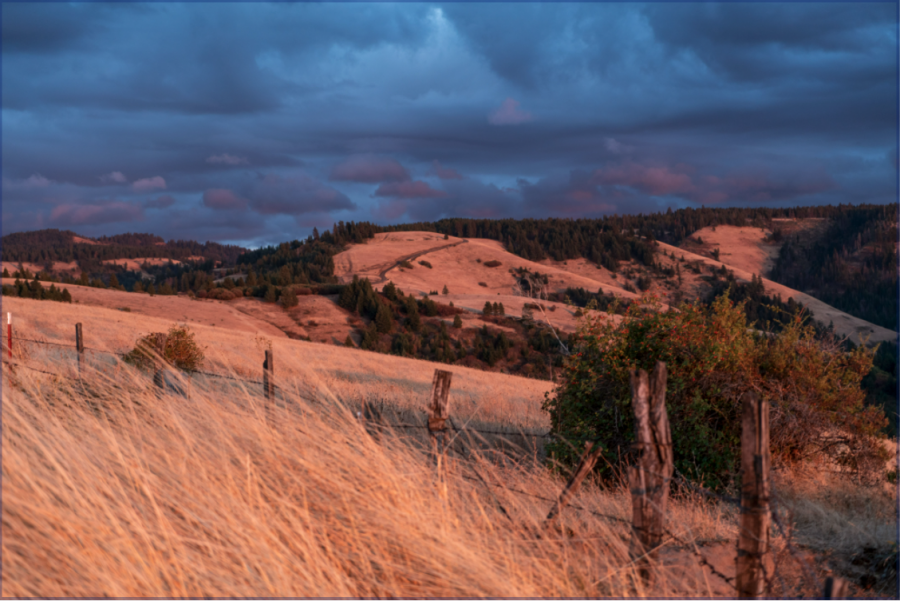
[(236, 342), (47, 247)]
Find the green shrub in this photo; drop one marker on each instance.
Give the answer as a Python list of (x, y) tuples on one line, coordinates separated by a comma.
[(425, 264), (181, 350), (713, 357), (406, 265), (492, 263)]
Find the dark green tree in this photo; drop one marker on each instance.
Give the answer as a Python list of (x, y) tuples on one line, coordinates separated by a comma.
[(383, 321)]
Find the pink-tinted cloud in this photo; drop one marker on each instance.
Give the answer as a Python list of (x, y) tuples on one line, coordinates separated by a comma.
[(509, 114), (95, 214), (656, 181), (369, 169), (415, 189), (163, 202), (575, 195), (444, 172), (115, 177), (222, 199), (35, 181), (149, 183), (227, 159), (296, 195)]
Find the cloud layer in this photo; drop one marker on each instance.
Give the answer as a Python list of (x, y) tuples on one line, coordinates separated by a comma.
[(252, 124)]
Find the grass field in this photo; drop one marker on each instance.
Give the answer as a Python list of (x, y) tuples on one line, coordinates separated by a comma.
[(115, 489)]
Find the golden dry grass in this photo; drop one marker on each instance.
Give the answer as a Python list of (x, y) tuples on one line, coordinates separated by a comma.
[(119, 491)]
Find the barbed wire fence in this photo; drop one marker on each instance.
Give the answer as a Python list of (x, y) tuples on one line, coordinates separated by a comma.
[(833, 587)]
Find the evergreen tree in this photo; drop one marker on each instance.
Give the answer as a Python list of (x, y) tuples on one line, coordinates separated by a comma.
[(151, 289), (445, 290), (390, 291), (457, 322), (113, 282), (412, 313), (349, 342), (383, 321), (66, 297), (5, 272), (138, 286), (501, 309), (271, 294), (488, 309), (370, 338)]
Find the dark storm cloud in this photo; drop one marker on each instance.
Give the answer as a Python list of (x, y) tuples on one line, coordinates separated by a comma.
[(273, 194), (227, 119), (369, 169)]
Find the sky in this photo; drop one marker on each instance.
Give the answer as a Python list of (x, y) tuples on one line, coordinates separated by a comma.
[(253, 123)]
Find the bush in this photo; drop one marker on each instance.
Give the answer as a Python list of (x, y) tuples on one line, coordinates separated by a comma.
[(482, 284), (425, 264), (181, 350), (492, 263), (220, 294), (713, 358), (406, 265), (288, 298)]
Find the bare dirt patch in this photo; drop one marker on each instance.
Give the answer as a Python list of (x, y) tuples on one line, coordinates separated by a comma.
[(80, 240), (135, 264), (58, 268), (746, 248)]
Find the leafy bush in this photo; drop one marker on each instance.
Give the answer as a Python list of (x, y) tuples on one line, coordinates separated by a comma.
[(406, 265), (482, 284), (425, 264), (181, 350), (492, 263), (713, 357)]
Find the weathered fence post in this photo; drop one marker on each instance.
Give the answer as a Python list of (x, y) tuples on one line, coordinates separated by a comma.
[(268, 375), (160, 348), (79, 346), (753, 544), (835, 588), (439, 408), (588, 460), (649, 478)]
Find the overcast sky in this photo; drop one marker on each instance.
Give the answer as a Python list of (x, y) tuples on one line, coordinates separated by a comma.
[(252, 123)]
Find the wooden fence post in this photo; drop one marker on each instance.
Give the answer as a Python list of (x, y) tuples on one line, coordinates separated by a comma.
[(439, 408), (835, 588), (79, 346), (753, 560), (159, 376), (268, 375), (588, 460), (9, 332), (649, 478)]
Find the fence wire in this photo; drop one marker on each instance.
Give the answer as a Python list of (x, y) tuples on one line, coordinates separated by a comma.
[(678, 477)]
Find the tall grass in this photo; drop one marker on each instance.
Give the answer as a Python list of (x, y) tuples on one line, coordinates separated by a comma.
[(115, 489)]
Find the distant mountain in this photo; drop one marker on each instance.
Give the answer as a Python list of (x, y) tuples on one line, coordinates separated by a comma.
[(44, 246)]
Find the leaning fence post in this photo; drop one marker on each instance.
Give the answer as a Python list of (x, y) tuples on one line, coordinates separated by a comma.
[(649, 478), (439, 407), (268, 375), (79, 346), (753, 544), (159, 376), (588, 460)]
